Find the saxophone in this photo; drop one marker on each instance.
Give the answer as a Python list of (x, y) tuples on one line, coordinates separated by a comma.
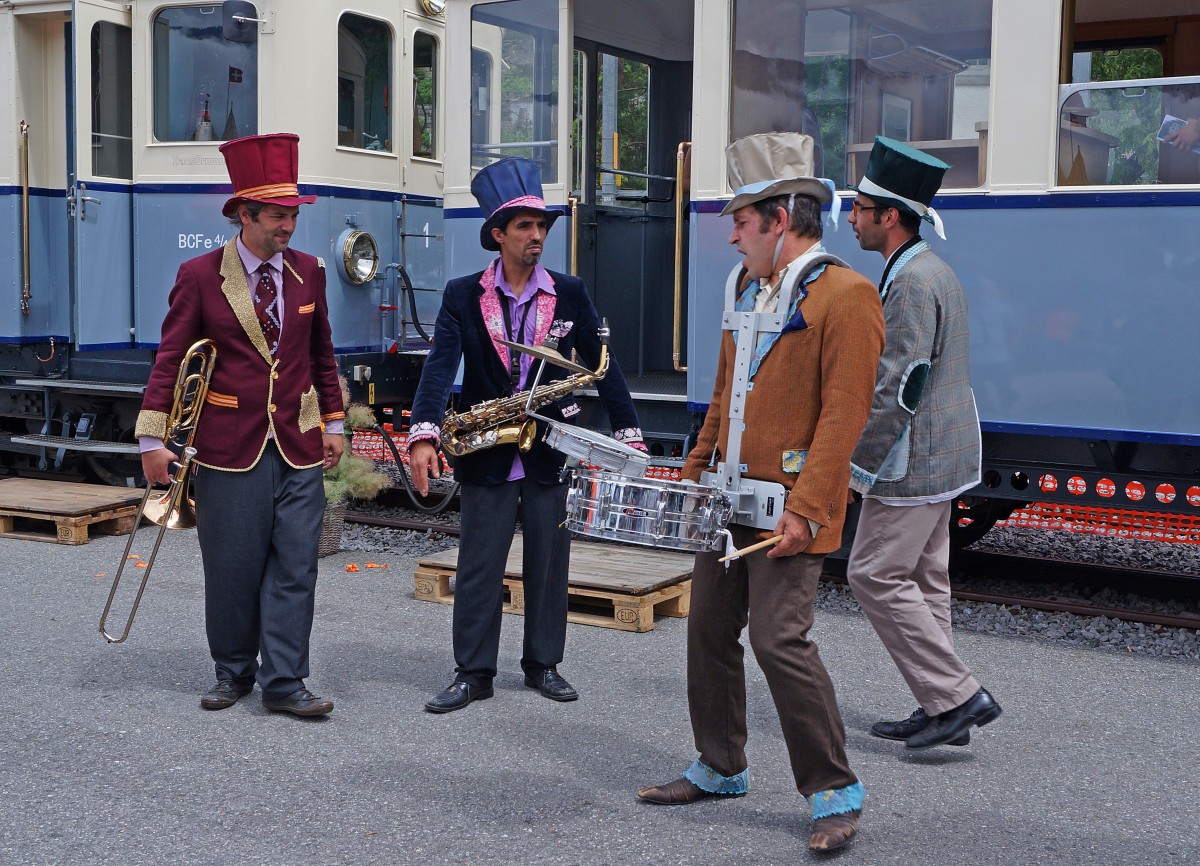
[(503, 421)]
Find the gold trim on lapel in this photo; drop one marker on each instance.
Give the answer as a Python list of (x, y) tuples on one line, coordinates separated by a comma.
[(288, 265), (237, 292)]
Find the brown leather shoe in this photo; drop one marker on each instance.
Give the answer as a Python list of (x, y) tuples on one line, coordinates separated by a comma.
[(677, 793), (833, 831)]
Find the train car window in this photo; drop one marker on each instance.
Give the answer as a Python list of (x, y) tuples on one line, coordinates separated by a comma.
[(1130, 112), (364, 108), (425, 85), (516, 112), (579, 67), (481, 102), (205, 87), (1132, 132), (914, 70), (112, 109), (622, 128)]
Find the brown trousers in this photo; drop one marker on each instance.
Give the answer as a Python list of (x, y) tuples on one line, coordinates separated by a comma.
[(899, 572), (775, 596)]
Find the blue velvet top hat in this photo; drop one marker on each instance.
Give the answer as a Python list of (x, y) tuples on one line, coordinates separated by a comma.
[(904, 178), (505, 187)]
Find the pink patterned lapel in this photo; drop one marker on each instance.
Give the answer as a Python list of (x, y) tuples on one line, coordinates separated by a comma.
[(493, 316), (546, 303)]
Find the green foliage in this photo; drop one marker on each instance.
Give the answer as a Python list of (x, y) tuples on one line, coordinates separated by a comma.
[(1132, 116), (1128, 63), (827, 93), (354, 477), (359, 417)]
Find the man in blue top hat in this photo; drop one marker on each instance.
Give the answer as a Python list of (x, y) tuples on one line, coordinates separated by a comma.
[(920, 449), (514, 299)]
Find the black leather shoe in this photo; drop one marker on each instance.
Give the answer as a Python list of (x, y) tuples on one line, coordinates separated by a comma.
[(301, 702), (456, 696), (952, 724), (551, 684), (915, 723), (224, 694)]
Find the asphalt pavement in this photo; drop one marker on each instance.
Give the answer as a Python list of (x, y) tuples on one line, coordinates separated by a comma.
[(107, 758)]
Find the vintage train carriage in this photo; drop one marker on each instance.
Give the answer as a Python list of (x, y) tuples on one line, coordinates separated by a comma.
[(1070, 223), (110, 177)]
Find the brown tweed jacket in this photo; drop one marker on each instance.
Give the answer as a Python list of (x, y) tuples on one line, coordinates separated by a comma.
[(808, 402)]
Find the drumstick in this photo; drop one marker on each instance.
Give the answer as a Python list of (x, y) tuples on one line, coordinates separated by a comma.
[(774, 539)]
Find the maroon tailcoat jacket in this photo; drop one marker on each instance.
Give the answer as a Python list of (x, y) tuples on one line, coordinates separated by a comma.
[(252, 395)]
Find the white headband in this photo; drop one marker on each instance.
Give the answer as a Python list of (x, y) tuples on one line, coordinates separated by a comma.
[(866, 185)]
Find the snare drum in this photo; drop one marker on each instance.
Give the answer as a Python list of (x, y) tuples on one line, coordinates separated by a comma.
[(593, 449), (647, 511)]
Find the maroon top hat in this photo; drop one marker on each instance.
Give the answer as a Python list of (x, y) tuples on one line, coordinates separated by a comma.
[(264, 168)]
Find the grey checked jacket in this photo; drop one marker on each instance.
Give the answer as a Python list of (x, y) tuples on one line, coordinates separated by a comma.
[(922, 436)]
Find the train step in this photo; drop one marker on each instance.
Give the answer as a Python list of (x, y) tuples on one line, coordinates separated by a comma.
[(612, 586), (67, 443), (83, 386), (64, 512)]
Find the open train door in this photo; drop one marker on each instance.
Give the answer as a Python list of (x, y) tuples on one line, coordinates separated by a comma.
[(100, 173), (633, 118), (599, 95)]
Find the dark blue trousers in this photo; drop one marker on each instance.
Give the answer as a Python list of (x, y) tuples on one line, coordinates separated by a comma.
[(258, 538), (489, 515)]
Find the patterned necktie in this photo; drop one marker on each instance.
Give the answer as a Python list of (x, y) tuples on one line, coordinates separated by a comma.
[(266, 307)]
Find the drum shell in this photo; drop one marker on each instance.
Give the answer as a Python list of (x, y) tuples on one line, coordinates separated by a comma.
[(646, 511), (593, 449)]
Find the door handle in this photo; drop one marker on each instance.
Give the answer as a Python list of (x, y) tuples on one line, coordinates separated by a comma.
[(84, 198)]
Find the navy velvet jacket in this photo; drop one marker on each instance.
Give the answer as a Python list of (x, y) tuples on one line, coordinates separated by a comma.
[(466, 327)]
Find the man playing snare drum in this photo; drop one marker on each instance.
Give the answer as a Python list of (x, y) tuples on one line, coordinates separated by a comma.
[(805, 403)]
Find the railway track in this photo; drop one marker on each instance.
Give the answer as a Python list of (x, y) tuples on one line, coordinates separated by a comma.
[(969, 565)]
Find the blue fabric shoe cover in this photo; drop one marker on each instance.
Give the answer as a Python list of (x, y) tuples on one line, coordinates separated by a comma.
[(706, 778), (836, 802)]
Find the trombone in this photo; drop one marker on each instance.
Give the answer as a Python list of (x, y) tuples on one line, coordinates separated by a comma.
[(171, 509)]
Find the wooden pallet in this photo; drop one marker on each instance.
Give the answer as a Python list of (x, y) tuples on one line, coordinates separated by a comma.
[(64, 512), (613, 586)]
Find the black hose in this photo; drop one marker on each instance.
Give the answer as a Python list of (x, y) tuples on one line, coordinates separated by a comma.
[(439, 506), (411, 294)]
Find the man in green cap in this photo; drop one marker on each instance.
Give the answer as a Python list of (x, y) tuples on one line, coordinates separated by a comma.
[(920, 449)]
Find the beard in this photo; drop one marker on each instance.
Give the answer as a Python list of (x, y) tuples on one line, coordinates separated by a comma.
[(530, 259)]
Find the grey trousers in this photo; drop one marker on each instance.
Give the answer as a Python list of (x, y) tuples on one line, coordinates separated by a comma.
[(489, 516), (775, 597), (899, 572), (258, 535)]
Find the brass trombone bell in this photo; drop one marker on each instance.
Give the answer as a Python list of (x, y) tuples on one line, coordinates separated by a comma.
[(158, 510)]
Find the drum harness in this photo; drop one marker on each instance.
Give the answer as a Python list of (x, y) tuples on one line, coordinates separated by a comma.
[(755, 503)]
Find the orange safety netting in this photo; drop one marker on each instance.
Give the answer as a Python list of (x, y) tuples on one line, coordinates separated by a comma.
[(369, 444), (1111, 522)]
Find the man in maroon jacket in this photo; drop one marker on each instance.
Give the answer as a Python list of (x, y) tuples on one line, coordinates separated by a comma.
[(271, 423)]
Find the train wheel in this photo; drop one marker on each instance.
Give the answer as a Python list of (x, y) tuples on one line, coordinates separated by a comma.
[(971, 517)]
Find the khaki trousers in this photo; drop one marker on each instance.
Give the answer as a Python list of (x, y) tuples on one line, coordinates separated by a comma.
[(899, 572), (775, 596)]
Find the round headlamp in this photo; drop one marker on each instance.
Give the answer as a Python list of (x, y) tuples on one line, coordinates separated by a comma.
[(434, 7), (360, 257)]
